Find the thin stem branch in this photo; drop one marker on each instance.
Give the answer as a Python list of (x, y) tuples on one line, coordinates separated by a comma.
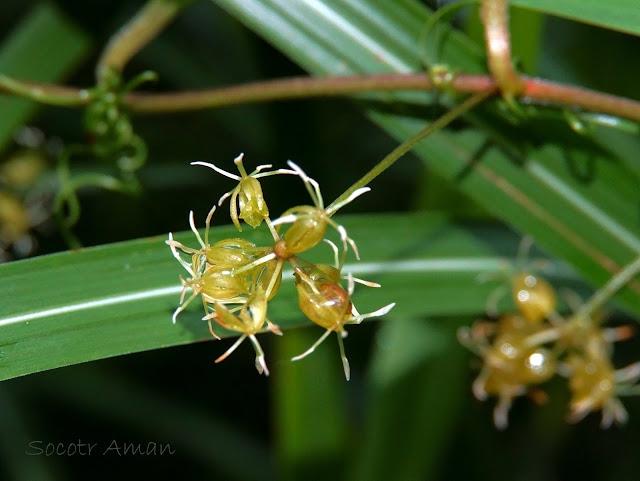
[(279, 89), (135, 34), (536, 91), (545, 92), (603, 294), (406, 146), (495, 17), (543, 337), (43, 93)]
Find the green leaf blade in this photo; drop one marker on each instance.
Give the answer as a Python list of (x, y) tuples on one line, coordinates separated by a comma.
[(111, 300), (621, 15)]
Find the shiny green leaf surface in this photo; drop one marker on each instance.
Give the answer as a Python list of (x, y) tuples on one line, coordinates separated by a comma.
[(116, 299), (622, 15)]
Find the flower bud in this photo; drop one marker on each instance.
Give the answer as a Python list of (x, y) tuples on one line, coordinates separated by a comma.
[(230, 252), (264, 278), (251, 317), (326, 304), (592, 383), (253, 208), (218, 283), (534, 297), (307, 230)]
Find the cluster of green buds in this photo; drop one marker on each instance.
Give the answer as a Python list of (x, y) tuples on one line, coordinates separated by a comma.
[(111, 138), (236, 279), (109, 129), (527, 348)]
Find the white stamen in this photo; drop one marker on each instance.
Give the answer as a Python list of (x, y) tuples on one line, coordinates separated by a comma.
[(261, 167), (287, 219), (255, 263), (315, 194), (192, 223), (379, 312), (351, 286), (218, 170), (225, 197), (353, 245), (336, 253), (312, 348), (273, 172), (208, 225), (363, 282), (354, 195), (172, 244), (232, 348)]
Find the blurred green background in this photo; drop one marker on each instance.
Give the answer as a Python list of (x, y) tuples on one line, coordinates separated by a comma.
[(407, 412)]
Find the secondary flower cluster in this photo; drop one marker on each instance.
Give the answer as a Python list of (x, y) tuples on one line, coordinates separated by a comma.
[(526, 348), (24, 200), (236, 279)]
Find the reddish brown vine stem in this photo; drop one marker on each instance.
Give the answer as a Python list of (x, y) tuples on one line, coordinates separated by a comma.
[(535, 91)]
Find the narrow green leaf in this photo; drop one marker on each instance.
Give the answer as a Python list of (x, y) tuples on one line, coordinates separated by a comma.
[(44, 47), (105, 301), (379, 36), (622, 15), (526, 38)]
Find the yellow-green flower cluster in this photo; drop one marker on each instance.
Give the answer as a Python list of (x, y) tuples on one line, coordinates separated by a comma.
[(525, 349), (236, 279)]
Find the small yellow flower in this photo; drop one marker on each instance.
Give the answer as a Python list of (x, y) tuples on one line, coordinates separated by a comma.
[(247, 200), (309, 223), (595, 385), (323, 300), (250, 320)]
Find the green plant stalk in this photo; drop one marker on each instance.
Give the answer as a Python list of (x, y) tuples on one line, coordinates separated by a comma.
[(406, 146), (45, 94), (137, 33), (603, 294)]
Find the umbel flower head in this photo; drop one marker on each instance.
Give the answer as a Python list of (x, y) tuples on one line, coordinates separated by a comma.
[(236, 278), (523, 350)]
